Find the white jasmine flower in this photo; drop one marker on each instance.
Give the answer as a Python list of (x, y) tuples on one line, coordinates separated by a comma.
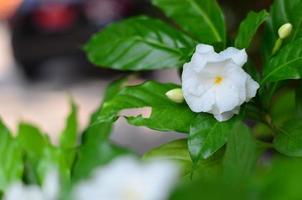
[(128, 179), (49, 190), (216, 83)]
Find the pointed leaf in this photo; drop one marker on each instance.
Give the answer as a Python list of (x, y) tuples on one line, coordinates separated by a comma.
[(39, 153), (207, 136), (166, 115), (286, 65), (68, 138), (11, 163), (140, 43), (249, 27), (203, 19)]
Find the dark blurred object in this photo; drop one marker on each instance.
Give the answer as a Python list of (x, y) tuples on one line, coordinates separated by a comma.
[(48, 35)]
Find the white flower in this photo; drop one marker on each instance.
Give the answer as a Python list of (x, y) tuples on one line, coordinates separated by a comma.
[(128, 179), (49, 191), (216, 83)]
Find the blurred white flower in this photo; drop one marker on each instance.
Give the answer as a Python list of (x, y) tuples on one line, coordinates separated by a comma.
[(49, 190), (216, 83), (128, 179)]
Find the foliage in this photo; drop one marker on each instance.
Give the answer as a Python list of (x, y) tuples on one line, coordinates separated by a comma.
[(242, 158)]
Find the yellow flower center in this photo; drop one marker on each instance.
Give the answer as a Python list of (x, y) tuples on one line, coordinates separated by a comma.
[(218, 80)]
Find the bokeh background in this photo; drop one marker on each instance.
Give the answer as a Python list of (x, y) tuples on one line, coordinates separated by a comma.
[(42, 62)]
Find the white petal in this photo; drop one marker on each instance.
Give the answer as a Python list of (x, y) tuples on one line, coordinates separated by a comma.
[(251, 88), (204, 48), (237, 77), (51, 185), (19, 191), (152, 181), (227, 97), (203, 55), (224, 116), (202, 103), (239, 57), (161, 178), (227, 115)]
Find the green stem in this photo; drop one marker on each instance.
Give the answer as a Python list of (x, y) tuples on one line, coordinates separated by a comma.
[(277, 46)]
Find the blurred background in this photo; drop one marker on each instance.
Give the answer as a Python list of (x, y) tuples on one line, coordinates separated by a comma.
[(42, 62)]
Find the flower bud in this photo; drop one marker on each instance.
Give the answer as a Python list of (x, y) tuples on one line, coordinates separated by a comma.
[(175, 95), (285, 30)]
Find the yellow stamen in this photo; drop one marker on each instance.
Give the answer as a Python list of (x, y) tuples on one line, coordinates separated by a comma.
[(218, 80)]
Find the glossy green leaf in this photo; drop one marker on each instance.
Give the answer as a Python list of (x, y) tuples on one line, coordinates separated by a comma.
[(203, 19), (139, 43), (68, 138), (240, 156), (177, 151), (281, 12), (207, 136), (249, 27), (96, 150), (287, 64), (11, 163), (289, 138), (166, 115)]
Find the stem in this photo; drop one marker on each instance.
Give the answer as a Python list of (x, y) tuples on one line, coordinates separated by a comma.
[(277, 46)]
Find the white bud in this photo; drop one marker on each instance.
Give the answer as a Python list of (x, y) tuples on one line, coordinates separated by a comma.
[(285, 30), (175, 95)]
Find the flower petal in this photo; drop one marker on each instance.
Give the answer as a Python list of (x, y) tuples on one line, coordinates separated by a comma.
[(227, 97), (251, 88), (239, 57)]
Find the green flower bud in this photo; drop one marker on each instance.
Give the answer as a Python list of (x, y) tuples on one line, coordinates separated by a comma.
[(175, 95), (285, 30)]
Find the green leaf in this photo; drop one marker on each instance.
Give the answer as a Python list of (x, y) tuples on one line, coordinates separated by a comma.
[(203, 19), (207, 136), (68, 138), (96, 149), (11, 163), (299, 100), (284, 102), (240, 156), (177, 151), (140, 43), (289, 138), (249, 27), (166, 115), (40, 155), (281, 181), (32, 139), (281, 12), (287, 64)]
